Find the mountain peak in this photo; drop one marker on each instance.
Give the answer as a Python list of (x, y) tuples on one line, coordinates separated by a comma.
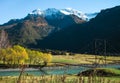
[(70, 11), (51, 11), (37, 12), (54, 11)]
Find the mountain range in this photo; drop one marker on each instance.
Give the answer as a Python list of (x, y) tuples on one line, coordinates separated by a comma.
[(65, 29), (39, 24), (52, 13)]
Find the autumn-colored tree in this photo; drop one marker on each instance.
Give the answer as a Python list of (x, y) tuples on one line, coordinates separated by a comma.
[(37, 57), (30, 55), (10, 56), (20, 54), (34, 56), (3, 55), (47, 57)]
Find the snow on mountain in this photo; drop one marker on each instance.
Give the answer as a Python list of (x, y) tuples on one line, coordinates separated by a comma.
[(68, 11), (51, 11), (37, 12)]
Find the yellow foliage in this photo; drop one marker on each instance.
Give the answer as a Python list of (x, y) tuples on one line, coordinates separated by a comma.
[(47, 57), (18, 55)]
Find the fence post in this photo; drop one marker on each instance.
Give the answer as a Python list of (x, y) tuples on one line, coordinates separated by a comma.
[(90, 79), (83, 81), (80, 79)]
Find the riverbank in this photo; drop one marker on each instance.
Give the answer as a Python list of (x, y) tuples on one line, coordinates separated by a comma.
[(18, 69)]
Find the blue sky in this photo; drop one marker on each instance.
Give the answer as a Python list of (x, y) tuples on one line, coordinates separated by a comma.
[(12, 9)]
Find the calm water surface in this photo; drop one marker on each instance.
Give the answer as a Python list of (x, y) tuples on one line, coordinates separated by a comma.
[(50, 71)]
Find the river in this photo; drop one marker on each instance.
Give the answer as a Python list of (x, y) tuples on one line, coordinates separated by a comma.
[(50, 70)]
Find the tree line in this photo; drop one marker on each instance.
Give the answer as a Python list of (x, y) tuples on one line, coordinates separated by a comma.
[(17, 55)]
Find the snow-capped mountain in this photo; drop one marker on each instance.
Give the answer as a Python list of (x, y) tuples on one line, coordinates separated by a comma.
[(37, 12), (47, 12), (69, 11), (53, 11)]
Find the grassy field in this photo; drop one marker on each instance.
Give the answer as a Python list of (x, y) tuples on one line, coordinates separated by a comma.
[(70, 59), (84, 59), (60, 79)]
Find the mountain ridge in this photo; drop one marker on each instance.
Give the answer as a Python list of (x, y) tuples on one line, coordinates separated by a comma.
[(105, 26), (54, 11), (35, 27)]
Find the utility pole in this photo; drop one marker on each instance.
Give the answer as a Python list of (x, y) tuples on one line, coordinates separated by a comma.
[(100, 46), (105, 50), (95, 53)]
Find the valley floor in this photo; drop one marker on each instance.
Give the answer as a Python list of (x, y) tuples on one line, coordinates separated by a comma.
[(85, 59)]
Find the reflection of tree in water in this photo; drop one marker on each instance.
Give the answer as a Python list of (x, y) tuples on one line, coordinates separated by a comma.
[(44, 72)]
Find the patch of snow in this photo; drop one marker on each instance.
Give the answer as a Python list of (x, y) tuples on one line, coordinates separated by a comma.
[(37, 12)]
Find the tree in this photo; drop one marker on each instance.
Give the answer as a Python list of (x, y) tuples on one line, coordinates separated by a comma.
[(3, 54), (30, 55), (20, 54), (34, 56), (10, 56), (46, 58), (37, 57)]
